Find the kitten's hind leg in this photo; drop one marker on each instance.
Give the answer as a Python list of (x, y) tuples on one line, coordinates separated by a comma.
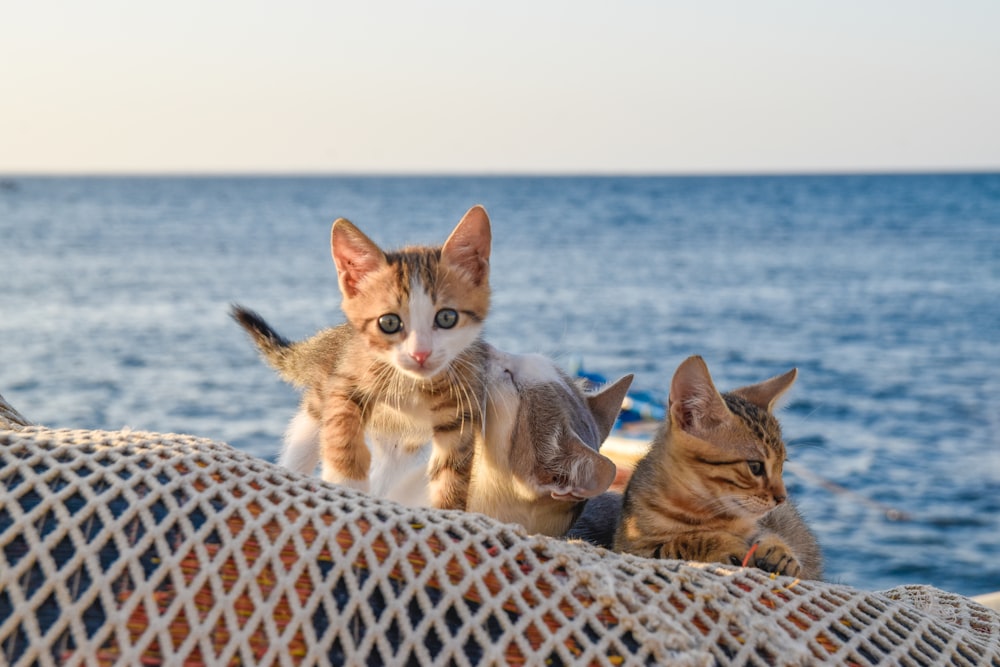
[(301, 448)]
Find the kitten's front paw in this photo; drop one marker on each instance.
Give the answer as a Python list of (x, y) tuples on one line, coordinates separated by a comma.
[(362, 485), (773, 555), (709, 547)]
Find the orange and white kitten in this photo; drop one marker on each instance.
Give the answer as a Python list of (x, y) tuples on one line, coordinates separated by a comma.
[(407, 366), (710, 487), (540, 458)]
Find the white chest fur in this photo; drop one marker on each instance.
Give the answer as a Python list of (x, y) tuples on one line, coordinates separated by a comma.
[(405, 421), (399, 435), (400, 473)]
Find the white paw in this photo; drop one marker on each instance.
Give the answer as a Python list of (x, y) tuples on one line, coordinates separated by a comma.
[(332, 476)]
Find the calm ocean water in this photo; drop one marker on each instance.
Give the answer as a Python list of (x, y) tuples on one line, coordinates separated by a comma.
[(883, 290)]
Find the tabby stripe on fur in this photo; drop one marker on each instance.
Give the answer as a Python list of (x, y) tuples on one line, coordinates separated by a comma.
[(407, 366), (710, 486)]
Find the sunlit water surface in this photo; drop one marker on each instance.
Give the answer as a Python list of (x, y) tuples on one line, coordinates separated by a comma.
[(884, 291)]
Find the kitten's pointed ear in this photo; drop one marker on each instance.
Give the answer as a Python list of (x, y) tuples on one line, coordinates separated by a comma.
[(694, 401), (354, 254), (583, 473), (468, 247), (765, 394), (607, 403)]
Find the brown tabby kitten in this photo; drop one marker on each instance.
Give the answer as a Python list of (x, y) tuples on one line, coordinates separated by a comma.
[(710, 486), (408, 364)]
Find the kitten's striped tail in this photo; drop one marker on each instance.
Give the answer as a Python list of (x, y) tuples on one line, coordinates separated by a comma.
[(277, 350)]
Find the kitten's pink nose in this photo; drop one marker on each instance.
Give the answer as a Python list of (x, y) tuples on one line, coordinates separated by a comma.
[(420, 357)]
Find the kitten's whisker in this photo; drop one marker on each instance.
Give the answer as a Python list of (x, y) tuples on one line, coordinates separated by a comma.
[(465, 392), (719, 507)]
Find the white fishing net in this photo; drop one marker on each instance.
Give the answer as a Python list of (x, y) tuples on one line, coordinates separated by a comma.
[(141, 548)]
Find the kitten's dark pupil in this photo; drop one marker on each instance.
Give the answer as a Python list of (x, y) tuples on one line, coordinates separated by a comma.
[(390, 323), (756, 468), (446, 318)]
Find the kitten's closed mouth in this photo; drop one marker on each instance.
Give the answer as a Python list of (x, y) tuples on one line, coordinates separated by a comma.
[(425, 372)]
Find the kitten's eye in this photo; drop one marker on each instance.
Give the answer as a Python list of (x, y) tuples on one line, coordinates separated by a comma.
[(446, 318), (756, 468), (390, 323)]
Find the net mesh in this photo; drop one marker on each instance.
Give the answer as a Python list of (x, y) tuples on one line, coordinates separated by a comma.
[(141, 548)]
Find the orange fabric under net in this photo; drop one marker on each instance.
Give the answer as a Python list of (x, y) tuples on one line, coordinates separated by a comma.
[(140, 548)]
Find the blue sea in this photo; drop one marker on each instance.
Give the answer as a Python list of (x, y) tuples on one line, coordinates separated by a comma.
[(883, 290)]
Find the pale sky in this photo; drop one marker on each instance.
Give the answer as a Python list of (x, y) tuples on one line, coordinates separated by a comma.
[(391, 86)]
